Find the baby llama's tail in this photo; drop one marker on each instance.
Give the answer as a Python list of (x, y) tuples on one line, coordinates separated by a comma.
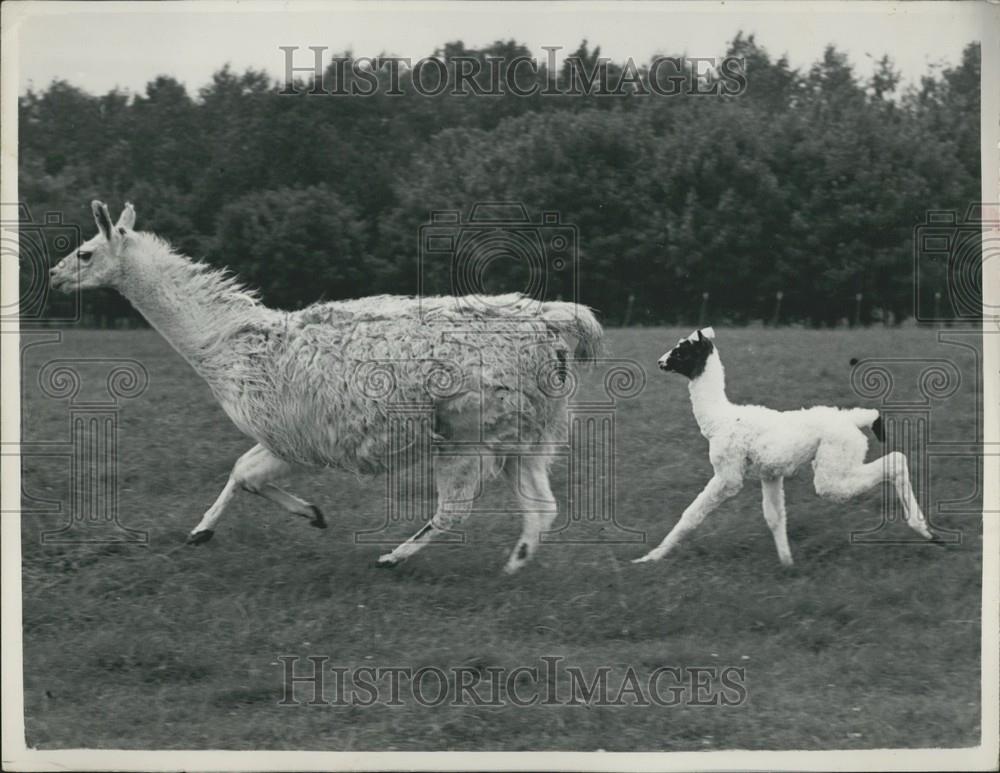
[(578, 321), (868, 417)]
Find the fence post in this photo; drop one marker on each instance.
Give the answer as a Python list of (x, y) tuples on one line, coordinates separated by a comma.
[(628, 309), (777, 308), (703, 313)]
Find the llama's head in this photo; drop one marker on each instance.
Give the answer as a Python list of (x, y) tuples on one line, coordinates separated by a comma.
[(98, 262), (690, 355)]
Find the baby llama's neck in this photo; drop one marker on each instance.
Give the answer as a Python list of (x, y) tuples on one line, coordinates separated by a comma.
[(708, 395), (196, 308)]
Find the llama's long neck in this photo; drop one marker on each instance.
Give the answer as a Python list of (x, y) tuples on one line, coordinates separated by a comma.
[(195, 308), (708, 395)]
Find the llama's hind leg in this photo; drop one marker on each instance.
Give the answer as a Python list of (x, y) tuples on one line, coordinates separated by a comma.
[(456, 482), (899, 471), (893, 468), (835, 480), (530, 477), (773, 494), (254, 472)]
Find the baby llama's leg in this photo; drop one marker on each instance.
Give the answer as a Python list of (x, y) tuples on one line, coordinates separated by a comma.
[(839, 474), (530, 478), (719, 489), (899, 472), (774, 513), (456, 480), (253, 472)]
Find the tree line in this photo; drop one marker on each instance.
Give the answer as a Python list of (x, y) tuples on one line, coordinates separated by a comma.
[(794, 201)]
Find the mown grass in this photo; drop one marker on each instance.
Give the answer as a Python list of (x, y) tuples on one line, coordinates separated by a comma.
[(168, 646)]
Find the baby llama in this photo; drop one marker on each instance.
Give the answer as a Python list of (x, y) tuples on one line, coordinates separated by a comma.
[(315, 388), (753, 441)]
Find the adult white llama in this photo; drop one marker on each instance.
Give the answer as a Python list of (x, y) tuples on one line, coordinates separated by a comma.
[(757, 442), (309, 386)]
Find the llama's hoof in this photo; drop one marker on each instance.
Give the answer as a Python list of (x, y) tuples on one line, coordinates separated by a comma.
[(517, 560), (645, 559), (318, 519), (387, 562), (200, 537)]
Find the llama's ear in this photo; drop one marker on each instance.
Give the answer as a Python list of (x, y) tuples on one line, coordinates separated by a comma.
[(709, 333), (126, 222), (102, 217)]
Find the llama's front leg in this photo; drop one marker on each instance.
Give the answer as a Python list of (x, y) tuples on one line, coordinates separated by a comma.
[(253, 472), (773, 492), (293, 504), (206, 526), (718, 490), (530, 477)]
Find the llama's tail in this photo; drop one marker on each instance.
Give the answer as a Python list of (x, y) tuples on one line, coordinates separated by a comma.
[(879, 429), (868, 417), (578, 321)]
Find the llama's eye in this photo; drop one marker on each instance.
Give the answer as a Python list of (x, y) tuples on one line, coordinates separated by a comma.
[(84, 256)]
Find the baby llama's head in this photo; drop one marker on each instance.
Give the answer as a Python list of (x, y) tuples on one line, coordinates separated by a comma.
[(690, 355)]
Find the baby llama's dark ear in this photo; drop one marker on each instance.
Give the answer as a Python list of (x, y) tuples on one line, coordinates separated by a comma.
[(102, 217), (700, 336), (127, 219)]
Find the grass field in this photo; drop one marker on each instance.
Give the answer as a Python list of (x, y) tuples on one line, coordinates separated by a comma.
[(170, 646)]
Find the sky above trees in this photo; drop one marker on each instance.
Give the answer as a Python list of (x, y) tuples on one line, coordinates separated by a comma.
[(100, 47)]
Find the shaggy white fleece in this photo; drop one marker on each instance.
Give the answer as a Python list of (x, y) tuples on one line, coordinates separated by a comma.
[(320, 387)]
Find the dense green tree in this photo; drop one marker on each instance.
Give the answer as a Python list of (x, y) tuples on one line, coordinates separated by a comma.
[(298, 245), (808, 183)]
